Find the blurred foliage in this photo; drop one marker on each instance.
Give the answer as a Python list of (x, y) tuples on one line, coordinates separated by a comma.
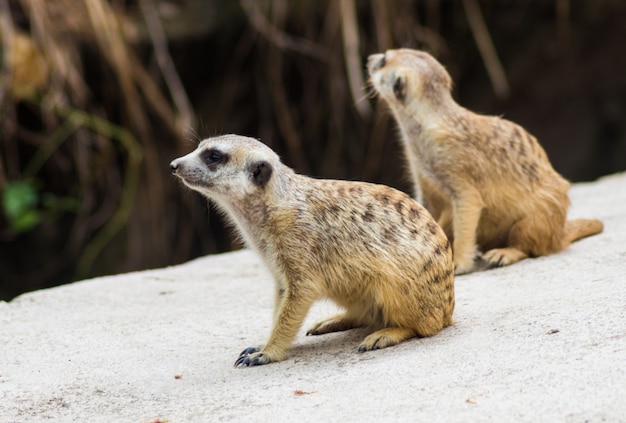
[(25, 207), (97, 97), (19, 201)]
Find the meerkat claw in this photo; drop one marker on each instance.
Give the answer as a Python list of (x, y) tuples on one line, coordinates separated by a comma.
[(252, 360), (363, 348), (252, 357), (249, 350), (242, 361)]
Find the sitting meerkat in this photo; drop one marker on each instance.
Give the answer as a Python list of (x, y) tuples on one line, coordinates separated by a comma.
[(487, 181), (371, 249)]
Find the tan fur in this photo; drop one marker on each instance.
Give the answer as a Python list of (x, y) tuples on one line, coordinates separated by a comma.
[(369, 248), (486, 180)]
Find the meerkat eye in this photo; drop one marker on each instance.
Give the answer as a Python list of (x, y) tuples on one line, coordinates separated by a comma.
[(213, 156), (382, 62), (399, 88)]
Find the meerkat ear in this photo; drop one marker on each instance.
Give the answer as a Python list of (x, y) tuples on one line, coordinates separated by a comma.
[(399, 88), (260, 172)]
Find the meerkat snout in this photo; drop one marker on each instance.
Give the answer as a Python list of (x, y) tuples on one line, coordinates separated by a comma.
[(174, 166), (375, 62)]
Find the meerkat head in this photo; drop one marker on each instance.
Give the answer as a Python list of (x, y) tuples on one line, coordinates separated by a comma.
[(403, 76), (227, 168)]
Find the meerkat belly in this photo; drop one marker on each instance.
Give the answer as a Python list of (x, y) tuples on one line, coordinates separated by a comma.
[(359, 299), (379, 263), (348, 277)]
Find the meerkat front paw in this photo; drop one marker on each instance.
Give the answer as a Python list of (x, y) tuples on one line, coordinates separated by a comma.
[(252, 357), (474, 263), (462, 266)]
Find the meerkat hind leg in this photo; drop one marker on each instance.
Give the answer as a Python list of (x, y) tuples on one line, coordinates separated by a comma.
[(386, 337), (526, 237), (337, 323)]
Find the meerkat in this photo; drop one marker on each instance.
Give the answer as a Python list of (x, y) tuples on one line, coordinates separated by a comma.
[(486, 180), (371, 249)]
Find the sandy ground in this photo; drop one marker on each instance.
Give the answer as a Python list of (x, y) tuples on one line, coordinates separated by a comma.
[(542, 340)]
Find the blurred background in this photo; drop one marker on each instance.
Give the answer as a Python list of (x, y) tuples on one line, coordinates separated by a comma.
[(98, 96)]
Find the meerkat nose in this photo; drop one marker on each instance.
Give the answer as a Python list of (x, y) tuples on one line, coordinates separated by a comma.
[(174, 166), (376, 61)]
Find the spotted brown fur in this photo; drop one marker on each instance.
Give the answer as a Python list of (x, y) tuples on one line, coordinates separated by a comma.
[(486, 180), (371, 249)]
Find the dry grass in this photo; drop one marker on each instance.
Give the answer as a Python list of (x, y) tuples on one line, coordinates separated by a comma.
[(93, 108), (98, 116)]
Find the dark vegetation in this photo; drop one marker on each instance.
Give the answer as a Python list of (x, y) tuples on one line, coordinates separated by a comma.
[(97, 97)]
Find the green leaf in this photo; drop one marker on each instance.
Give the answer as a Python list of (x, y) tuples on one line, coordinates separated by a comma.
[(19, 198), (19, 202)]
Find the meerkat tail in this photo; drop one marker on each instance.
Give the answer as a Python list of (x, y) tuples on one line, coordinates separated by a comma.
[(580, 228)]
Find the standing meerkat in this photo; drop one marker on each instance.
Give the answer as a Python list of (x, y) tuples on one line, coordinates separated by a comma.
[(371, 249), (487, 181)]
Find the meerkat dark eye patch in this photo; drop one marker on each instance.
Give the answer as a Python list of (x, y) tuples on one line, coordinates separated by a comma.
[(399, 88), (213, 156), (261, 172)]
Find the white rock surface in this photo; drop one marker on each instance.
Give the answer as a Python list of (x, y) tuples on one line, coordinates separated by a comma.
[(542, 340)]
